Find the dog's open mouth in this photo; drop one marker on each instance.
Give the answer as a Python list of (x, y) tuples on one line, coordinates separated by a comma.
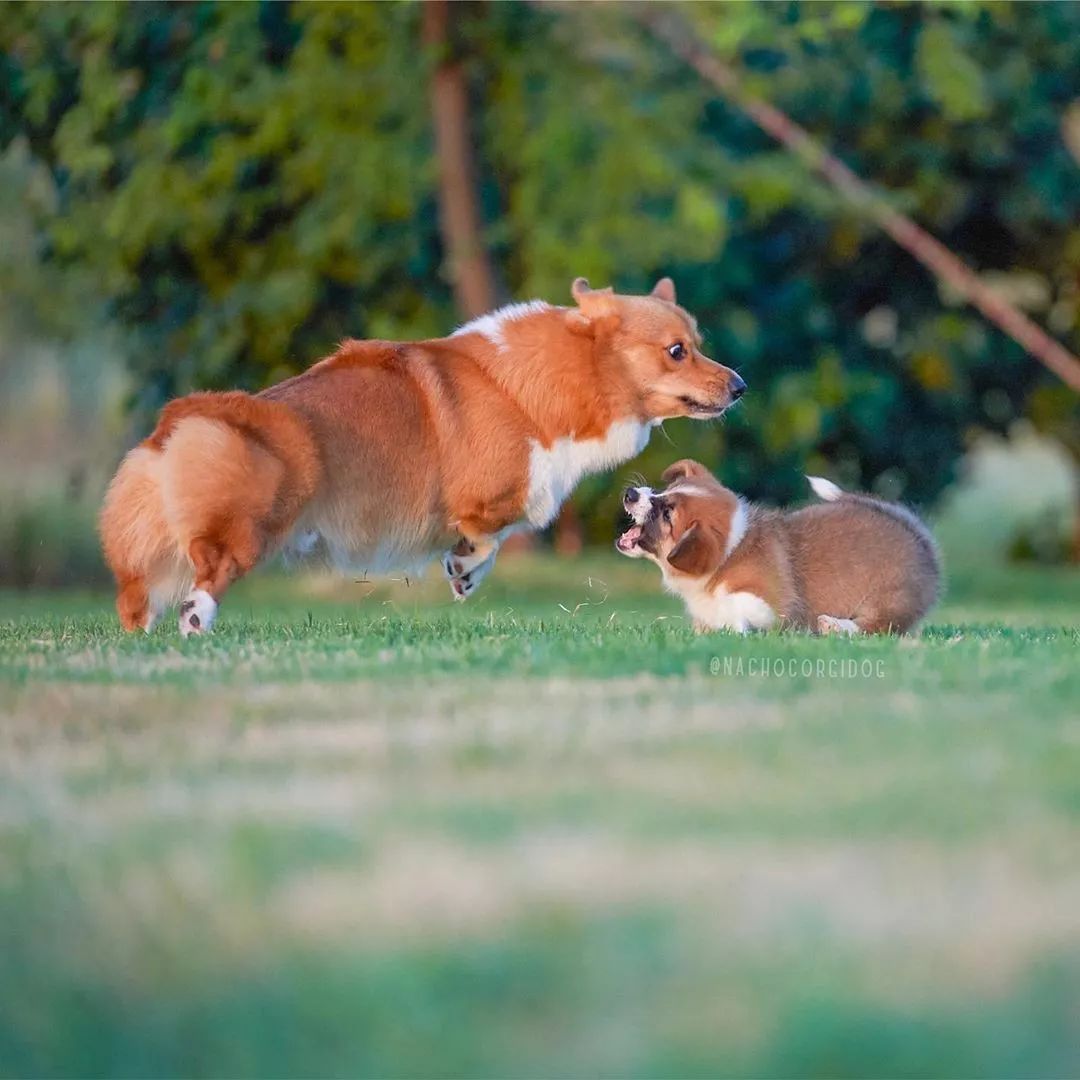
[(628, 540)]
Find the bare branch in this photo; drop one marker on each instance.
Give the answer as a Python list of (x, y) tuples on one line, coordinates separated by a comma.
[(673, 32)]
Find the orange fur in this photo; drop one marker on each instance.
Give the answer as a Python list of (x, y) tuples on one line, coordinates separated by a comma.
[(384, 453), (216, 485)]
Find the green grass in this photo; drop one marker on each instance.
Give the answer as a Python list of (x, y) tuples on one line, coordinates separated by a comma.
[(363, 831)]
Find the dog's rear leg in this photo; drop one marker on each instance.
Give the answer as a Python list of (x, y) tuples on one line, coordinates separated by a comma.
[(133, 605), (218, 562)]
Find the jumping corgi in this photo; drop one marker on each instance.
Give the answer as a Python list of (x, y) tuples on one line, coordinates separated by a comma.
[(386, 453), (852, 564)]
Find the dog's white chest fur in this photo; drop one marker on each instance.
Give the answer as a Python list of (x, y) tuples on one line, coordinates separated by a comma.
[(554, 471), (723, 610)]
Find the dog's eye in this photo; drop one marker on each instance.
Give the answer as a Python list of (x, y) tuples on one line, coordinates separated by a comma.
[(667, 514), (677, 351)]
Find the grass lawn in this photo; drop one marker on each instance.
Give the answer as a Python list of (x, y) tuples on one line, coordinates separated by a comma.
[(547, 832)]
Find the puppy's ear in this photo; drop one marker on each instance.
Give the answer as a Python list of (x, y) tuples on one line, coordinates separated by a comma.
[(664, 289), (697, 551), (593, 303), (687, 469)]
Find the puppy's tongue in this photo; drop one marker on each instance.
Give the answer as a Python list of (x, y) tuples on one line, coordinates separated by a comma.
[(629, 538)]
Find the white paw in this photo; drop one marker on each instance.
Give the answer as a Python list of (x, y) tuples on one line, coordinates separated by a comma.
[(466, 571), (827, 624), (197, 613)]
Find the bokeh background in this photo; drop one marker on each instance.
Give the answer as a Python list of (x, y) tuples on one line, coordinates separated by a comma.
[(362, 830), (211, 195)]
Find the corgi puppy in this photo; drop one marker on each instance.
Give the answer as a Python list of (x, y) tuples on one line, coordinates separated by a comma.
[(387, 453), (852, 564)]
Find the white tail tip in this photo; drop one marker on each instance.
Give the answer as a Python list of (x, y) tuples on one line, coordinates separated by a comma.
[(824, 489)]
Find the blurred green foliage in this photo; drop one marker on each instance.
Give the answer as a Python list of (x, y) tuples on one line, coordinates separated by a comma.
[(250, 183), (62, 394)]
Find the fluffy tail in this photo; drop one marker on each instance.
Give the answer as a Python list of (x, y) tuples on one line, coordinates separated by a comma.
[(222, 473), (138, 544), (931, 554), (825, 489)]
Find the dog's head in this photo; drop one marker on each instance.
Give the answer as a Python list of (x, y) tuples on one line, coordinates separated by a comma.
[(686, 528), (659, 348)]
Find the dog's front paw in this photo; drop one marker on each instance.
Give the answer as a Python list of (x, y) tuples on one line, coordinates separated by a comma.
[(462, 584), (465, 566), (828, 624)]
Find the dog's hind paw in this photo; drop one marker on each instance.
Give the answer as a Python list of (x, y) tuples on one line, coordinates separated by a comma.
[(197, 613)]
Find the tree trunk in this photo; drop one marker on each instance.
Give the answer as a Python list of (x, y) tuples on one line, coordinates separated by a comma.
[(467, 260), (569, 537)]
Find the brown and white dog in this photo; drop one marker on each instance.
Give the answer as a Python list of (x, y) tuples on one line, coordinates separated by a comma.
[(386, 453), (851, 564)]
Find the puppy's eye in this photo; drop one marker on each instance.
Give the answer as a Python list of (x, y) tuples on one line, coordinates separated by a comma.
[(667, 514), (677, 351)]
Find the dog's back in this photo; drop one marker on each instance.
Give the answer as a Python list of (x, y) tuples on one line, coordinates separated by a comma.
[(862, 559)]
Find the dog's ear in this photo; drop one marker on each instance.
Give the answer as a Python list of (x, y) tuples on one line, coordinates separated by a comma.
[(664, 289), (594, 303), (697, 551), (687, 469)]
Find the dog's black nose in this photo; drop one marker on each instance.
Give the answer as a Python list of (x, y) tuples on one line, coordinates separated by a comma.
[(631, 495), (736, 388)]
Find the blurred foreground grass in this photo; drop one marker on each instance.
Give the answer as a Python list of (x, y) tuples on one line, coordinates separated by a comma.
[(365, 831)]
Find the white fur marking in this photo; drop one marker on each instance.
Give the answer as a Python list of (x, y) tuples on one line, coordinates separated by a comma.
[(681, 487), (491, 325), (739, 611), (739, 524), (825, 489), (718, 608), (639, 511), (203, 608), (554, 472)]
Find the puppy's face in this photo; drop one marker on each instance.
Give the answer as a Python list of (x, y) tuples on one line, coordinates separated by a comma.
[(685, 527), (660, 347)]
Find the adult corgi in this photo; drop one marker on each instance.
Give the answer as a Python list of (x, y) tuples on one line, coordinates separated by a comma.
[(385, 454)]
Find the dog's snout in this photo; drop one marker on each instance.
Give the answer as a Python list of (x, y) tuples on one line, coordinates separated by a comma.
[(736, 388), (636, 502)]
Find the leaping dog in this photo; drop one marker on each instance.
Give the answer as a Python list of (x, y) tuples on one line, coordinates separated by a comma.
[(385, 454)]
